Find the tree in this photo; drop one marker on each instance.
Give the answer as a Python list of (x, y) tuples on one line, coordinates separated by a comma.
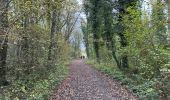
[(168, 16), (53, 31), (76, 44), (84, 28), (56, 6), (108, 29), (159, 23), (123, 5), (3, 39), (168, 21), (95, 7)]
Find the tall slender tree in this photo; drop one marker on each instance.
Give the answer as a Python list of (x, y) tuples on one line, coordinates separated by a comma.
[(86, 28), (168, 16), (168, 21), (94, 14), (53, 14), (159, 22), (122, 8), (53, 30), (85, 31), (108, 28), (3, 39)]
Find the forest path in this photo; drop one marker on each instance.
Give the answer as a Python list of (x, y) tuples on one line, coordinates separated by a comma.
[(85, 83)]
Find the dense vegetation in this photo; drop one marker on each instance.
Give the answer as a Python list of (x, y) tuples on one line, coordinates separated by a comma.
[(122, 33), (122, 39), (34, 46)]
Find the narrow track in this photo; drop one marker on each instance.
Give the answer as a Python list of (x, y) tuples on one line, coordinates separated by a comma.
[(85, 83)]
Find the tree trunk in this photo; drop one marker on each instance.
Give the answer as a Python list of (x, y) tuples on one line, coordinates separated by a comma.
[(3, 40), (123, 5), (110, 37), (53, 30), (87, 30), (114, 54), (87, 39), (124, 58), (95, 26), (168, 2), (87, 48), (169, 15), (123, 41)]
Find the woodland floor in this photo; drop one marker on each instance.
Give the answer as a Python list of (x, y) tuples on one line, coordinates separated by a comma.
[(85, 83)]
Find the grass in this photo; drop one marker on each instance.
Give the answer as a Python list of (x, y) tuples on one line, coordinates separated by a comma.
[(144, 89), (37, 90)]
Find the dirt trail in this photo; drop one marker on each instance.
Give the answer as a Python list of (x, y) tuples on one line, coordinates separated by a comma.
[(85, 83)]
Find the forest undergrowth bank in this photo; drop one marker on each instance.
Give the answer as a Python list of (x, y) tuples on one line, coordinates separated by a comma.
[(144, 89)]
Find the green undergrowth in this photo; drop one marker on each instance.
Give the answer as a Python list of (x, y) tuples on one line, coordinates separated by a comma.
[(39, 89), (144, 89)]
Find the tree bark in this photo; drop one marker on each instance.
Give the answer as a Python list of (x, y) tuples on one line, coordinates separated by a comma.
[(168, 3), (53, 30), (3, 40), (123, 5), (124, 58), (87, 31), (110, 36), (123, 41), (95, 26), (169, 15), (87, 48)]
